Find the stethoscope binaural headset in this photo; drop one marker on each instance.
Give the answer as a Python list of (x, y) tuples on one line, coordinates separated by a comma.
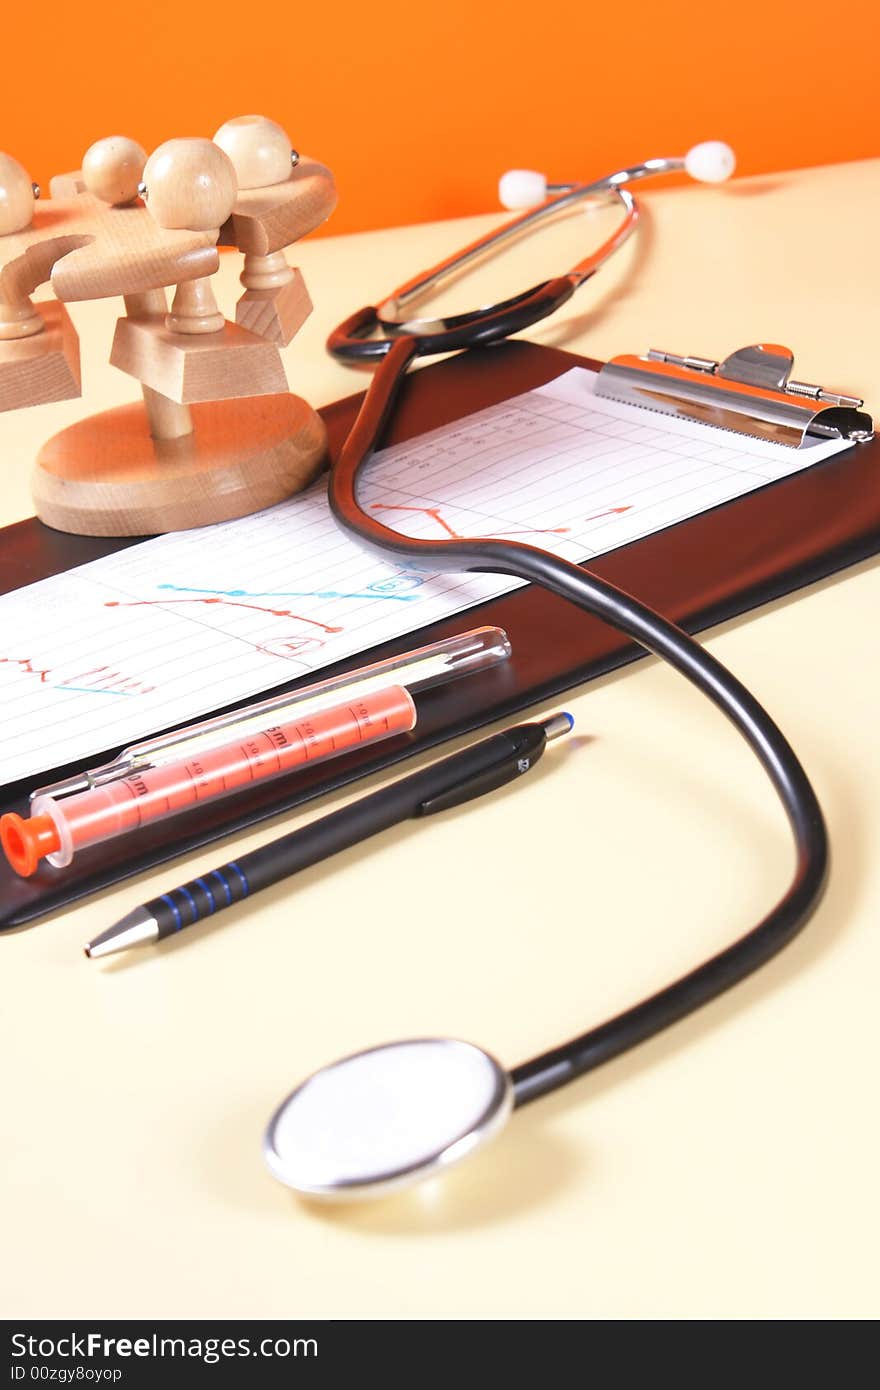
[(396, 1113)]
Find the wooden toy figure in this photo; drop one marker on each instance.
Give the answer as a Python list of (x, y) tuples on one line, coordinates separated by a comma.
[(275, 302), (217, 433), (39, 349)]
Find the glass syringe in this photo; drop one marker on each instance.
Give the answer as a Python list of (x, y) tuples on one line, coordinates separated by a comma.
[(163, 775)]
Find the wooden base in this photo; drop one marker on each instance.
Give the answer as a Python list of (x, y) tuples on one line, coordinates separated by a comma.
[(107, 476), (42, 367)]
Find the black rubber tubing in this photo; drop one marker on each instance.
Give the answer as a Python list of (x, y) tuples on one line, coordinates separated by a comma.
[(713, 977), (351, 341)]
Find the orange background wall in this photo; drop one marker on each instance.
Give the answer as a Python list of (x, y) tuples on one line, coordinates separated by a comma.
[(417, 107)]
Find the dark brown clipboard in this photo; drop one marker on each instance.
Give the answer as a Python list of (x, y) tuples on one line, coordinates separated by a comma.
[(699, 572)]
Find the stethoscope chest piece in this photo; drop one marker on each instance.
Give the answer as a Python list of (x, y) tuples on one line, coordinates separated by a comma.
[(382, 1119)]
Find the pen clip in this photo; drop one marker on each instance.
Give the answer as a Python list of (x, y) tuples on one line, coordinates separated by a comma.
[(510, 767)]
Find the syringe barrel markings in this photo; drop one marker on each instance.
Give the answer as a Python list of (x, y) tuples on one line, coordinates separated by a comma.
[(58, 828)]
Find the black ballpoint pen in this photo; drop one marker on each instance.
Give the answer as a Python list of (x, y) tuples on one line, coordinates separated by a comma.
[(474, 771)]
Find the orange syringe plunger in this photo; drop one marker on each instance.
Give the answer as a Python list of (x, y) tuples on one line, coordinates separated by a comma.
[(58, 828)]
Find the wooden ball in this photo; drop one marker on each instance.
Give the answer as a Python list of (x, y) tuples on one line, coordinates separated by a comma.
[(259, 149), (113, 168), (16, 196), (191, 184)]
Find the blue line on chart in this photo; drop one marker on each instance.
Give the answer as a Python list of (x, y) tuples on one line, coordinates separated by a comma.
[(296, 593), (93, 690)]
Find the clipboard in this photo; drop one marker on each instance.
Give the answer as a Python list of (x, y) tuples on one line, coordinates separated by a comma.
[(714, 566)]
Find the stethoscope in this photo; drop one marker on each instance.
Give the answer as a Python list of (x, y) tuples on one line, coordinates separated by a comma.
[(396, 1113)]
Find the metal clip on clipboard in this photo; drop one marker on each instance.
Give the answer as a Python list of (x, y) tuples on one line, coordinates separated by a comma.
[(750, 392)]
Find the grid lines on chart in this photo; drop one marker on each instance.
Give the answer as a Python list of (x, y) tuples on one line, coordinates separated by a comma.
[(166, 631)]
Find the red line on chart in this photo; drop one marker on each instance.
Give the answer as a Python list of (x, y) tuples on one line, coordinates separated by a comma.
[(434, 514), (80, 681), (255, 607), (612, 511), (26, 663)]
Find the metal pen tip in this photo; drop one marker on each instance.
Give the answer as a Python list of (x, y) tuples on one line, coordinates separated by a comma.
[(137, 928), (558, 724)]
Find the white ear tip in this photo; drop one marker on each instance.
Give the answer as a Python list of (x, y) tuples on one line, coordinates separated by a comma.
[(710, 162), (521, 188)]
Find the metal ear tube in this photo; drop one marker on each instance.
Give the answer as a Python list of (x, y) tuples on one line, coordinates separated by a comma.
[(537, 202)]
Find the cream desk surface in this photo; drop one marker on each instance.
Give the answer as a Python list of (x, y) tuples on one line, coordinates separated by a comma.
[(725, 1170)]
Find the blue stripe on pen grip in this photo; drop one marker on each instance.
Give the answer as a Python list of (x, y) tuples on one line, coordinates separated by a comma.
[(196, 914), (212, 906), (190, 902), (244, 883), (183, 906), (175, 910), (218, 873)]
